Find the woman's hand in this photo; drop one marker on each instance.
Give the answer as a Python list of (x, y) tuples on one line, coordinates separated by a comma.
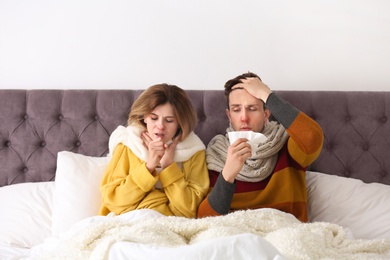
[(159, 153), (168, 157), (156, 150)]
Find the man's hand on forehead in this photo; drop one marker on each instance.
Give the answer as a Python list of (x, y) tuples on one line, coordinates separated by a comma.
[(255, 87)]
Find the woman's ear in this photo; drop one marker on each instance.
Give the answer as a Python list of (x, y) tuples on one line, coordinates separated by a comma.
[(177, 132)]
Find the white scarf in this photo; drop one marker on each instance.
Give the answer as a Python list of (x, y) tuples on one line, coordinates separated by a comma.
[(131, 137)]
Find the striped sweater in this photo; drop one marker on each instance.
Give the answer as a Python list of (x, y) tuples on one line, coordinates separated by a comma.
[(285, 188)]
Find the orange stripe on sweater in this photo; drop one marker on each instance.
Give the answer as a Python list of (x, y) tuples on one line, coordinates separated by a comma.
[(310, 134)]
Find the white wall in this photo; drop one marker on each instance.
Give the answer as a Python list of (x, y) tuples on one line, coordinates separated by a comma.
[(199, 44)]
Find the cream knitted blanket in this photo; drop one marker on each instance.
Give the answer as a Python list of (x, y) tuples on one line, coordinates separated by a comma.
[(293, 239)]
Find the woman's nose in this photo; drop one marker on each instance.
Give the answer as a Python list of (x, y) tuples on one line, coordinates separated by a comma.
[(160, 124)]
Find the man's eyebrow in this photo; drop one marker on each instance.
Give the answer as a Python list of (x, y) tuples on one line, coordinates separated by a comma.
[(239, 105)]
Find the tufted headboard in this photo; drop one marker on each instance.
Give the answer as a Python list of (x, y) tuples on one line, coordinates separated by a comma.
[(36, 124)]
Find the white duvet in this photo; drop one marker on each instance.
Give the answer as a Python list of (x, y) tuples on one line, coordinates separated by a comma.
[(252, 234)]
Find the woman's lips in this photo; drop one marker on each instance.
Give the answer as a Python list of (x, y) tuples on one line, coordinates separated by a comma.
[(160, 135)]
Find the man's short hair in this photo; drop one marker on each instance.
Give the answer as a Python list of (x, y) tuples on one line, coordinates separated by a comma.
[(232, 82)]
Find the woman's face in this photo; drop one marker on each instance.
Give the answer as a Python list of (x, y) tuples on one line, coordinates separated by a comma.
[(162, 122)]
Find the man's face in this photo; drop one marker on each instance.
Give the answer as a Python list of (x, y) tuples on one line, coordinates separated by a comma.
[(246, 113)]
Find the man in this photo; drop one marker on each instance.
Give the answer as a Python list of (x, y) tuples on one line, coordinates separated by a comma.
[(272, 175)]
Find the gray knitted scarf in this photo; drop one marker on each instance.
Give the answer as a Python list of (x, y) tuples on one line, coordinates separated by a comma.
[(263, 160)]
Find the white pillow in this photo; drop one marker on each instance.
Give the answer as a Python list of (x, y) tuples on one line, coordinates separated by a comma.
[(77, 189), (25, 218), (363, 208)]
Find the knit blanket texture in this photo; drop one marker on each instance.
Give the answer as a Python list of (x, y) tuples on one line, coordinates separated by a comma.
[(293, 239)]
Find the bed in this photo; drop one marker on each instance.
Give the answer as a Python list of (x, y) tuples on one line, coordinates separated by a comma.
[(54, 149)]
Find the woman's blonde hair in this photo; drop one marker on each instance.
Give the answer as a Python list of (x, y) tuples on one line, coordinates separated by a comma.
[(161, 94)]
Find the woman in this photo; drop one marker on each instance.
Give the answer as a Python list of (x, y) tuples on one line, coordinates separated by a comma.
[(157, 160)]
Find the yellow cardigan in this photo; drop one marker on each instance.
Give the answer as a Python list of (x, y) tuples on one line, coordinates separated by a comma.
[(128, 185)]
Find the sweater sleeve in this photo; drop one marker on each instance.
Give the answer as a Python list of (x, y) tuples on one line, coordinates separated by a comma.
[(185, 188), (282, 110), (306, 135), (122, 190), (219, 200)]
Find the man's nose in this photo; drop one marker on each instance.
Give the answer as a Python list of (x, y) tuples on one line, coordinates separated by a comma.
[(244, 115)]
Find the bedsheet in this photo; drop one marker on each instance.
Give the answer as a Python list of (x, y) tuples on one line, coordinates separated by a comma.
[(243, 246), (8, 252)]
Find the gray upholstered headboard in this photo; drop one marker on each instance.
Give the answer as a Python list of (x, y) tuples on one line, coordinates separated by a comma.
[(36, 124)]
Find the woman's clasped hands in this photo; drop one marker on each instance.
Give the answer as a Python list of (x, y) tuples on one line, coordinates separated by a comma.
[(160, 153)]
